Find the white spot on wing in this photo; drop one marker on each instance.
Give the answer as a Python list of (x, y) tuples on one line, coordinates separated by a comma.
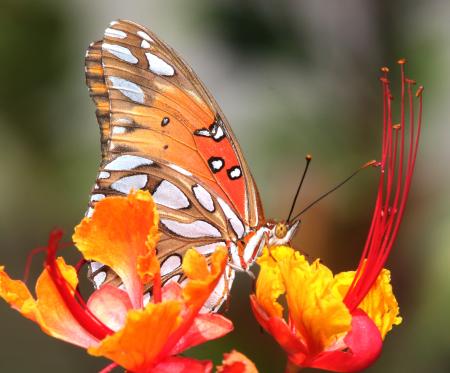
[(210, 248), (113, 33), (104, 175), (117, 130), (169, 195), (89, 212), (146, 299), (203, 197), (95, 266), (128, 89), (235, 173), (145, 36), (196, 229), (181, 170), (159, 66), (145, 44), (170, 264), (120, 52), (219, 133), (99, 279), (220, 293), (235, 222), (217, 164), (97, 197), (129, 183), (127, 162)]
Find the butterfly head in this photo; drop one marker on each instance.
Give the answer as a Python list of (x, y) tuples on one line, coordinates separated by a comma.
[(282, 232)]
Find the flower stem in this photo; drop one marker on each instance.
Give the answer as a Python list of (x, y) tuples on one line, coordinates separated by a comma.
[(291, 367)]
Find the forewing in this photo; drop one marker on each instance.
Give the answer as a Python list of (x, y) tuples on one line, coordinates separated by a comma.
[(159, 108)]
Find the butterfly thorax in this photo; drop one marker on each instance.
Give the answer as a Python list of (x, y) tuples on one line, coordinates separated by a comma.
[(248, 249)]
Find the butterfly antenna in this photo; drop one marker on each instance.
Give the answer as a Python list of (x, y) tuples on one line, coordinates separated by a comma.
[(308, 159), (364, 166)]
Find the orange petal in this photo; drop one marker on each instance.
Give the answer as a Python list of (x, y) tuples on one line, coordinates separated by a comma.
[(53, 315), (202, 280), (235, 362), (121, 230), (17, 295), (110, 305), (49, 310), (138, 345)]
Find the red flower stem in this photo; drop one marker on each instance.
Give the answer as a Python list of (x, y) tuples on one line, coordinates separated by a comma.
[(109, 368)]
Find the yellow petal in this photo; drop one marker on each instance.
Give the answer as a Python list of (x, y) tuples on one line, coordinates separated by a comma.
[(122, 230), (137, 345), (380, 303), (269, 285), (318, 313)]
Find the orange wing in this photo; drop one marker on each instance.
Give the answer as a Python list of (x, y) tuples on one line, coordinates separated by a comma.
[(150, 102)]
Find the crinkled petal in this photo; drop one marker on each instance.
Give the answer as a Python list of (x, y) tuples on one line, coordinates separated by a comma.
[(236, 362), (318, 313), (120, 231), (364, 345), (205, 327), (269, 286), (177, 364), (138, 345), (379, 304), (202, 280), (110, 305), (17, 295), (49, 311)]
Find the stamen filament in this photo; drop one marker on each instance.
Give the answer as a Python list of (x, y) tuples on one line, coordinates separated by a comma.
[(78, 310), (397, 167)]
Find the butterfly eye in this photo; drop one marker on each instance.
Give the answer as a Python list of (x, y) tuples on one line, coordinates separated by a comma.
[(280, 230)]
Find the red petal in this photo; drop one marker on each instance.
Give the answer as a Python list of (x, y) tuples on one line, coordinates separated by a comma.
[(183, 365), (171, 291), (278, 328), (364, 347), (110, 305), (205, 328)]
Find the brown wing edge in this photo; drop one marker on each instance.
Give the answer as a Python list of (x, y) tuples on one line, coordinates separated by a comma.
[(95, 80)]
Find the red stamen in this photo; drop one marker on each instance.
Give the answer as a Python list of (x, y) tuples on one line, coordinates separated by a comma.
[(157, 297), (397, 167), (109, 368), (78, 309)]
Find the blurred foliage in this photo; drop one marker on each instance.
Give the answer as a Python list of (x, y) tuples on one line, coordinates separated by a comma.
[(294, 78)]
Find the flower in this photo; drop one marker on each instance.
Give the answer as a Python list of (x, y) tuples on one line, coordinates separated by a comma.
[(235, 362), (114, 323), (338, 322)]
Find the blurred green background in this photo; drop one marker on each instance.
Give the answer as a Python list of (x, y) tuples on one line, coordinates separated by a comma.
[(293, 77)]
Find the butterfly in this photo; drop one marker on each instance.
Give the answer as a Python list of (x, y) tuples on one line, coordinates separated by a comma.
[(162, 131)]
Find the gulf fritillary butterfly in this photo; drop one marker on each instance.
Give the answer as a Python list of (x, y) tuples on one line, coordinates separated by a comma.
[(162, 131)]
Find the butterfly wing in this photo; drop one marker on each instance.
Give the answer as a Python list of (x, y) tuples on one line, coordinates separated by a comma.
[(159, 107), (162, 131)]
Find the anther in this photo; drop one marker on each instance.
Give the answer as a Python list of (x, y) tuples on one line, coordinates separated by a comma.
[(308, 157), (401, 61), (410, 81), (419, 91), (397, 126), (385, 69)]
